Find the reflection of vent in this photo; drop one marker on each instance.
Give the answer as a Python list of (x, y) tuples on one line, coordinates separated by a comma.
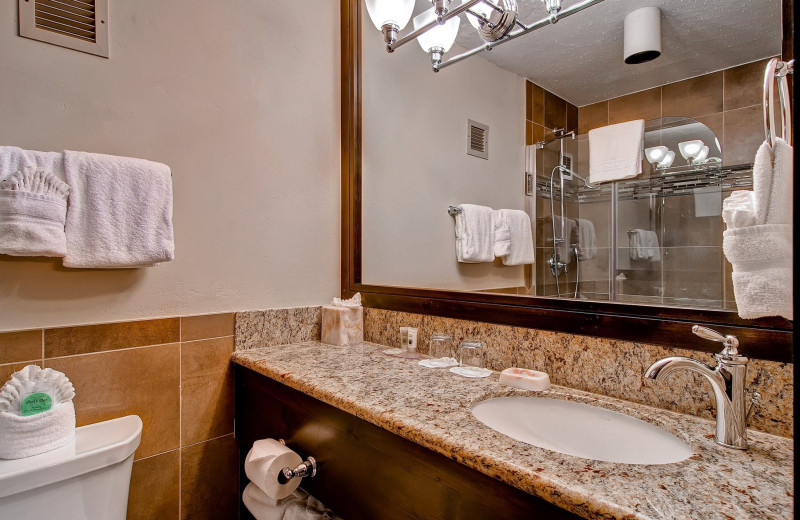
[(76, 24), (566, 162), (477, 139)]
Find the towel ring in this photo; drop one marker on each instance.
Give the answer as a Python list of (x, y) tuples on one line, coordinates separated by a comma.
[(776, 72)]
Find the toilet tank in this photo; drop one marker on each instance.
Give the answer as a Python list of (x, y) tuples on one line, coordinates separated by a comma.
[(87, 479)]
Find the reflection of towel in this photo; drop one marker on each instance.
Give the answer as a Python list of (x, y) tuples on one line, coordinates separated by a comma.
[(519, 226), (474, 234), (502, 234), (615, 151), (644, 245), (564, 248), (761, 257), (120, 212), (585, 238), (707, 201)]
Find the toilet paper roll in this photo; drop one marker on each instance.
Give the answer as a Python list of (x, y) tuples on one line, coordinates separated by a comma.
[(264, 463)]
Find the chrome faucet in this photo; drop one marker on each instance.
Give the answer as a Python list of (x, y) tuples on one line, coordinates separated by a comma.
[(727, 380)]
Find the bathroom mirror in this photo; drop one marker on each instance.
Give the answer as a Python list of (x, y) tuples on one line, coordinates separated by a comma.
[(633, 259)]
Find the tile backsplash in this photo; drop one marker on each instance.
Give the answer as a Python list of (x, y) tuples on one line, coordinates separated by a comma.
[(175, 374), (608, 367)]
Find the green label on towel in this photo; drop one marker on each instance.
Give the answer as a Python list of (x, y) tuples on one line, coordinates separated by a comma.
[(36, 403)]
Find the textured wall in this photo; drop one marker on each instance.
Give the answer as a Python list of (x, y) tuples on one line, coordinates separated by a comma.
[(242, 103)]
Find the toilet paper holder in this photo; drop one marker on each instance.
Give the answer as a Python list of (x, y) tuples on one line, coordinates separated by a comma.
[(307, 468)]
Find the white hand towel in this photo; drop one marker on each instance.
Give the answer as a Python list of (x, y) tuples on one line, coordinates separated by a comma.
[(779, 208), (738, 210), (14, 159), (519, 226), (615, 151), (761, 257), (474, 234), (762, 181), (502, 235), (120, 212), (586, 239), (644, 245), (297, 506)]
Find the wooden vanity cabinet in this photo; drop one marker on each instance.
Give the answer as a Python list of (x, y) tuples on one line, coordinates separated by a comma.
[(366, 472)]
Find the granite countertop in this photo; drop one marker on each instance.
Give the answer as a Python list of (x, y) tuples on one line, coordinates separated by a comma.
[(432, 408)]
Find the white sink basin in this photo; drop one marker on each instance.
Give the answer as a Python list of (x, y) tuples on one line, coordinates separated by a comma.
[(581, 430)]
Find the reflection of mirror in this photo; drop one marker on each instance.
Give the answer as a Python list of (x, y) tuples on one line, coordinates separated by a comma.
[(705, 87)]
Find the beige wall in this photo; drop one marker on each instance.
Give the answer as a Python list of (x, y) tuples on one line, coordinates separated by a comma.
[(415, 163), (242, 102)]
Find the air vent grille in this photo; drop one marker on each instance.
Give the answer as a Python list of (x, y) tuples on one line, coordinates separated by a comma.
[(70, 17), (76, 24), (477, 139)]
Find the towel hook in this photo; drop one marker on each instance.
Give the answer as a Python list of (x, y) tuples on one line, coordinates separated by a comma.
[(776, 72)]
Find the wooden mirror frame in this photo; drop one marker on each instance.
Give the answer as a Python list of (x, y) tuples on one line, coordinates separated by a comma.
[(766, 338)]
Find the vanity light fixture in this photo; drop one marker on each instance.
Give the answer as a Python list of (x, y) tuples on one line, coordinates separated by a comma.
[(390, 17), (656, 154), (691, 149), (438, 40), (702, 156), (666, 162), (497, 21)]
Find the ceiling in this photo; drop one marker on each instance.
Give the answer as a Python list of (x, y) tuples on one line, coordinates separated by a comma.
[(580, 57)]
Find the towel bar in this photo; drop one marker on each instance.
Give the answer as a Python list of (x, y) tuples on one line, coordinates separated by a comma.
[(453, 210)]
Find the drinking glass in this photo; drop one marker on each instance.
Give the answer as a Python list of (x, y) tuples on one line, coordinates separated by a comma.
[(440, 346), (471, 356)]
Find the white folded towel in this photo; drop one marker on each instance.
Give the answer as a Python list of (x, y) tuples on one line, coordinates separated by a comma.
[(502, 234), (297, 506), (761, 257), (738, 210), (120, 212), (585, 238), (615, 151), (779, 208), (32, 224), (474, 234), (644, 245), (762, 181), (14, 159), (520, 251)]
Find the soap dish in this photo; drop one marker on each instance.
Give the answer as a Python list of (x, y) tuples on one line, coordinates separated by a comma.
[(525, 379)]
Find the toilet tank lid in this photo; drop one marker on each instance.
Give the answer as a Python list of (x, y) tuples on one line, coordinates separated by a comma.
[(96, 446)]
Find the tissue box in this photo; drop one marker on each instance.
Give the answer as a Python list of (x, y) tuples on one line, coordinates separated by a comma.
[(342, 325)]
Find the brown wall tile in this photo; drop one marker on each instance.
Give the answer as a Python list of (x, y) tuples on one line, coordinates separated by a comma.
[(210, 480), (592, 116), (639, 105), (694, 97), (744, 133), (538, 104), (205, 327), (206, 389), (68, 341), (743, 85), (572, 117), (141, 381), (154, 491), (24, 345), (7, 370), (528, 101), (555, 111)]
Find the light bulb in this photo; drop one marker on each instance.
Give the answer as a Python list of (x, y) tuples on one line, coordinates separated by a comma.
[(656, 154), (690, 149), (666, 162), (440, 37), (482, 9), (390, 12), (702, 156)]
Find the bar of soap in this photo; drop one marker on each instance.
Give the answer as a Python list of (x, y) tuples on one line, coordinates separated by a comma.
[(525, 379)]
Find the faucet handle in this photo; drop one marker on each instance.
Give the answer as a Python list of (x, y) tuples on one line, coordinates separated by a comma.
[(730, 343)]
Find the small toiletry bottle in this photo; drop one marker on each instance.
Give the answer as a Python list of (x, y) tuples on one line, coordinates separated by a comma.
[(404, 335), (412, 339)]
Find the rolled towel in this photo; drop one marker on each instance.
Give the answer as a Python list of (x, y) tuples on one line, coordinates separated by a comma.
[(14, 159), (761, 257), (520, 251), (762, 181), (738, 210), (474, 234), (24, 432), (502, 235), (120, 212)]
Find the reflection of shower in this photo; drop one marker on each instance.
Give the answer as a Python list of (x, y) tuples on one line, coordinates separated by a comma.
[(557, 266)]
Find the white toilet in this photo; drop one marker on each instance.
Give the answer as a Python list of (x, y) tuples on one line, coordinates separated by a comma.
[(84, 480)]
